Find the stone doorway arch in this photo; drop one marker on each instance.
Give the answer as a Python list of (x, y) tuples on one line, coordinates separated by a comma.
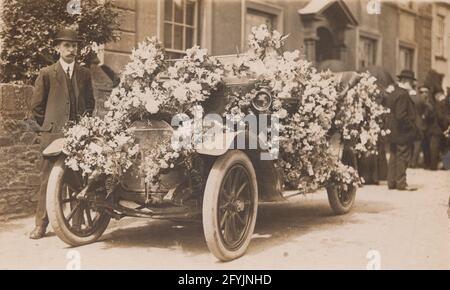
[(325, 45), (324, 25)]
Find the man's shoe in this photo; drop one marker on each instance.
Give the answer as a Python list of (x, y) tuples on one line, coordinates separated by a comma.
[(38, 232), (407, 188)]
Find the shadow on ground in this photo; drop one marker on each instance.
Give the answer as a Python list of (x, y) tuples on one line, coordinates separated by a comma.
[(276, 223)]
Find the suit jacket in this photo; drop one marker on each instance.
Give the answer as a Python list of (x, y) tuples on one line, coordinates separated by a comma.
[(50, 103), (443, 114), (431, 118), (420, 106), (402, 119)]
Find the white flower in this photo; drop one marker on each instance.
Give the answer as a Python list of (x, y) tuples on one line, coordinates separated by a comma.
[(95, 148), (282, 113), (152, 107), (180, 94)]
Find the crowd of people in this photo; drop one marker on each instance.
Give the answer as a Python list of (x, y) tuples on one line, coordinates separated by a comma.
[(419, 116)]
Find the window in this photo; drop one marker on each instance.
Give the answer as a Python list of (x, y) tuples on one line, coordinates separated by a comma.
[(440, 34), (255, 18), (255, 13), (406, 58), (367, 52), (180, 26)]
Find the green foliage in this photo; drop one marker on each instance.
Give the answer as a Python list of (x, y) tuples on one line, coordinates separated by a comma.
[(29, 27)]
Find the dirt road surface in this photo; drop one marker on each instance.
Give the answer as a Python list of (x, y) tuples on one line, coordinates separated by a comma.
[(386, 229)]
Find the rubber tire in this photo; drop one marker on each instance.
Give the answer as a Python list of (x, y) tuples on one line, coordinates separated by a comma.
[(336, 205), (210, 201), (55, 214)]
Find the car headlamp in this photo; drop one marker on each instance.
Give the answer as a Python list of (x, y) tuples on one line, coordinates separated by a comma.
[(262, 101)]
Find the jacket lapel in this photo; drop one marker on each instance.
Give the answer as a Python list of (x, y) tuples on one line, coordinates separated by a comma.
[(77, 78), (61, 78), (76, 88)]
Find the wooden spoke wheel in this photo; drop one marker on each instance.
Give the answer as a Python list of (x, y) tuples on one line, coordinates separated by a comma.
[(76, 222), (230, 205)]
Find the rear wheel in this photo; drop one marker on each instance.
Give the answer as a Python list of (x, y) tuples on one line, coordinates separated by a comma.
[(230, 205), (76, 222), (341, 197)]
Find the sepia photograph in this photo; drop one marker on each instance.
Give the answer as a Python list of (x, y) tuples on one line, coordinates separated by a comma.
[(252, 135)]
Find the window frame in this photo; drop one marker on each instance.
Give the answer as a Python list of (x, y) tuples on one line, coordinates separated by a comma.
[(162, 23), (407, 45), (266, 8), (440, 53), (375, 36)]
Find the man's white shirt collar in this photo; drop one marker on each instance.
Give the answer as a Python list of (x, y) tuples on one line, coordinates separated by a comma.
[(66, 65)]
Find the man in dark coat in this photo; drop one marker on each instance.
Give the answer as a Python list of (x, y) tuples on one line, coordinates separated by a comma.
[(62, 92), (433, 135), (402, 124), (420, 104), (437, 120)]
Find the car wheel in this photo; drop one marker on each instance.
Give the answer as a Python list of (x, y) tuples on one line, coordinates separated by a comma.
[(74, 221), (230, 205), (341, 198)]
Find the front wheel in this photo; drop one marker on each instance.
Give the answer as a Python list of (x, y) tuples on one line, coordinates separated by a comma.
[(341, 197), (230, 204), (76, 222)]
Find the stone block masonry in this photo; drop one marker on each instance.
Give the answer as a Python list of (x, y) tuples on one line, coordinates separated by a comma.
[(20, 153)]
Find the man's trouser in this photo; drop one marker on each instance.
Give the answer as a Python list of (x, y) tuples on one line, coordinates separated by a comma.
[(382, 161), (431, 148), (398, 162), (41, 211), (417, 147)]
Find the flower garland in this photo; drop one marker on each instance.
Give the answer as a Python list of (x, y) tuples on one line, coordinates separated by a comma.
[(96, 147), (360, 115), (309, 105), (322, 107), (139, 93), (261, 40), (148, 88), (192, 79)]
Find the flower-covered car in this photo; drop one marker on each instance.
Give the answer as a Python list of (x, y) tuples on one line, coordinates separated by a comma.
[(208, 138)]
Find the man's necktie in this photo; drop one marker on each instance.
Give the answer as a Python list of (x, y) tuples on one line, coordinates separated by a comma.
[(68, 72), (72, 97)]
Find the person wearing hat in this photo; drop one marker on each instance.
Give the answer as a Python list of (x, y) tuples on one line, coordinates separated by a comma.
[(62, 92), (437, 120), (402, 124), (420, 102)]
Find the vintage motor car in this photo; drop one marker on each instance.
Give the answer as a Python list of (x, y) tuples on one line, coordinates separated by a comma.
[(223, 194)]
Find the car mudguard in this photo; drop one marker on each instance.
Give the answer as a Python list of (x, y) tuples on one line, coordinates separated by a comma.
[(55, 148)]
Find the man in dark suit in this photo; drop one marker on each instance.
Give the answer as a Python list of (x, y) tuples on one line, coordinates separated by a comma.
[(62, 92), (402, 123), (420, 104), (433, 134)]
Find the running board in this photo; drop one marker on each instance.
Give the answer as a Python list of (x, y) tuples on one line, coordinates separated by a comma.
[(290, 193)]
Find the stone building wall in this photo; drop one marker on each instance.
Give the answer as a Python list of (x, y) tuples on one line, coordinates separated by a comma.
[(20, 153), (424, 35)]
